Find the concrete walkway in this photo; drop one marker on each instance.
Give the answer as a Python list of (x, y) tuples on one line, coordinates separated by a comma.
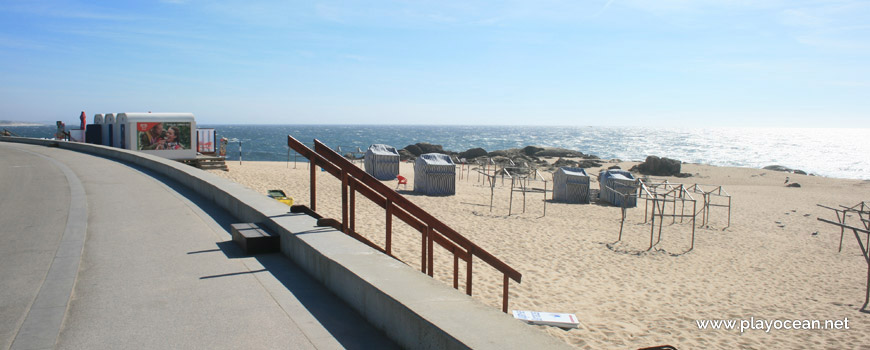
[(101, 254)]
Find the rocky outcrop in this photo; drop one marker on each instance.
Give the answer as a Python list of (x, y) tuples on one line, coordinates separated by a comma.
[(583, 163), (793, 184), (422, 148), (430, 148), (505, 153), (532, 150), (777, 168), (589, 163), (565, 162), (404, 155), (413, 150), (541, 152), (473, 153), (562, 152), (660, 167), (533, 156), (785, 169)]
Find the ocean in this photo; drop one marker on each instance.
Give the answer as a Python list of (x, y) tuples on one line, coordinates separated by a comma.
[(840, 153)]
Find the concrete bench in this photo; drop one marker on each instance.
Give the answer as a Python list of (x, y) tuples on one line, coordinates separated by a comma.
[(254, 240)]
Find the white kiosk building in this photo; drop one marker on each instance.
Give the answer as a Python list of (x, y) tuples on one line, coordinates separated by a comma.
[(109, 129), (120, 126), (169, 135)]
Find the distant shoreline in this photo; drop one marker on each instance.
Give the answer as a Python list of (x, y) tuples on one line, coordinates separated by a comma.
[(823, 152), (5, 124)]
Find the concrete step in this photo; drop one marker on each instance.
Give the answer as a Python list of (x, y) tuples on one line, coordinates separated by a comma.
[(255, 240)]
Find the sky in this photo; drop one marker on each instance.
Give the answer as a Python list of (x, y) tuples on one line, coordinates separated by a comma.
[(692, 63)]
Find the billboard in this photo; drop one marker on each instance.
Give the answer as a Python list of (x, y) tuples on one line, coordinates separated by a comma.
[(153, 136), (205, 140)]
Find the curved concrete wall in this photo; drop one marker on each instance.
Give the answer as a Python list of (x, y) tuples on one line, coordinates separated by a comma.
[(411, 308)]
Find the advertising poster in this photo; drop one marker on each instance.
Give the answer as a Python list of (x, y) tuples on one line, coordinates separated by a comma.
[(155, 136), (205, 140)]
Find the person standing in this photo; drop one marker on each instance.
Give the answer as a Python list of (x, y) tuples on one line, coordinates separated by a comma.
[(170, 142), (153, 138)]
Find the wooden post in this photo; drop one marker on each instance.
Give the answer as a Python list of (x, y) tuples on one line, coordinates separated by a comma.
[(344, 205), (645, 210), (431, 234), (545, 197), (313, 183), (478, 171), (468, 272), (682, 207), (423, 249), (455, 271), (621, 223), (867, 296), (842, 230), (511, 203), (865, 251), (729, 212), (694, 207), (705, 217), (352, 185), (662, 218), (523, 186), (491, 194), (389, 244), (652, 225), (504, 303)]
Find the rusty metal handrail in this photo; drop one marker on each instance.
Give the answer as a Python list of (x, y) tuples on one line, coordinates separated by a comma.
[(432, 229)]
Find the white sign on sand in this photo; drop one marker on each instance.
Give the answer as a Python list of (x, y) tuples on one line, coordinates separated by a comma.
[(547, 318)]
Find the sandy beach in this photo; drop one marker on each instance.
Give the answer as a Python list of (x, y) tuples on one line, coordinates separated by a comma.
[(776, 261)]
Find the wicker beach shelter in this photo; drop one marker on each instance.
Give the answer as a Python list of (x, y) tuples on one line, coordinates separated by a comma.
[(618, 186), (571, 185), (435, 174), (382, 162)]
